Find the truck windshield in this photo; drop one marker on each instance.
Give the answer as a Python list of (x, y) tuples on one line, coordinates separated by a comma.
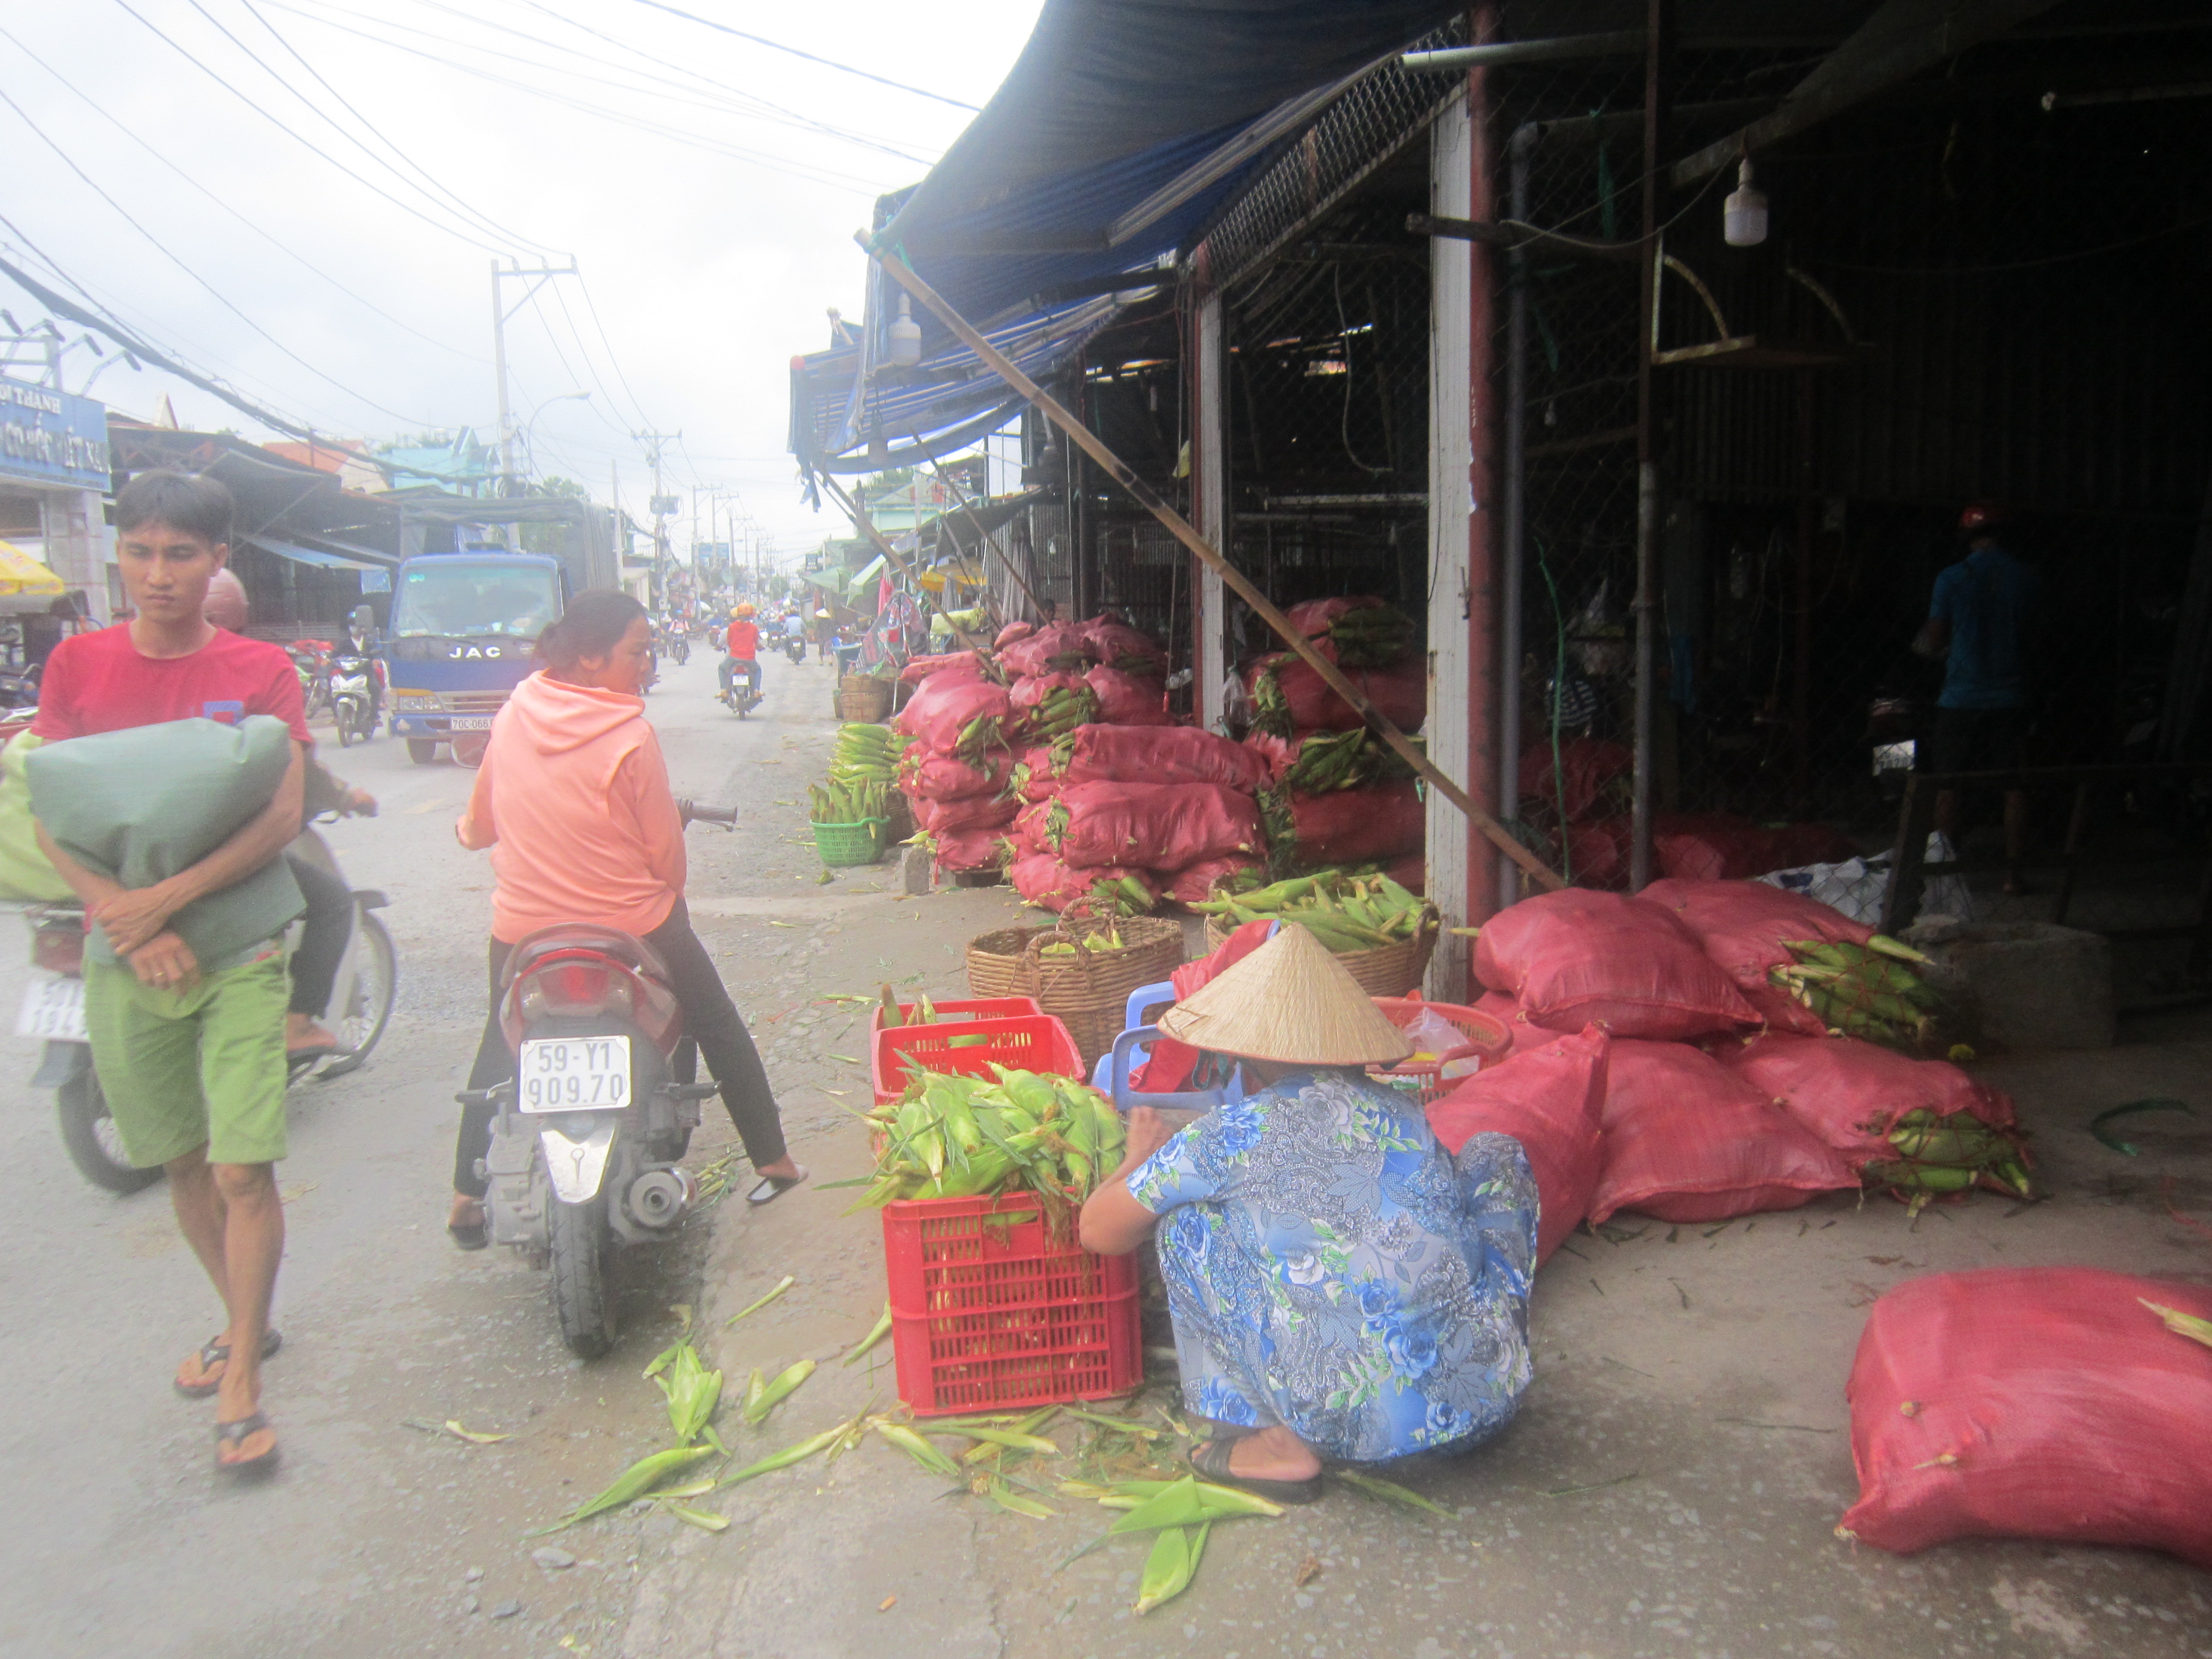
[(456, 598)]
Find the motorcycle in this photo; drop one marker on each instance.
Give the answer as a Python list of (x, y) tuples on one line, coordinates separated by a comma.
[(587, 1138), (741, 700), (311, 660), (53, 1008), (352, 694), (794, 646), (679, 645)]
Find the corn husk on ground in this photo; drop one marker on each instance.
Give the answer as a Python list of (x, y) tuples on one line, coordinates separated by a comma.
[(1346, 912), (1866, 990)]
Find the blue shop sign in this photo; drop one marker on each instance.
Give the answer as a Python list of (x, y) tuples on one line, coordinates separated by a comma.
[(51, 437)]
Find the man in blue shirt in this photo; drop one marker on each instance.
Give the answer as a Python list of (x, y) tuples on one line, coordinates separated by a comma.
[(1981, 622)]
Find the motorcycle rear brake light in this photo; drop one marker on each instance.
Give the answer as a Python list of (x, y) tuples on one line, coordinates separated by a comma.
[(574, 988), (58, 947)]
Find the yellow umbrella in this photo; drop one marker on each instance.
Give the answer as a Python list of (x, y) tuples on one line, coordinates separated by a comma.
[(20, 574)]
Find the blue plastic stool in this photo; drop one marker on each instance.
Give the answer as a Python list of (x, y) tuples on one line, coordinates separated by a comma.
[(1196, 1100), (1137, 1011)]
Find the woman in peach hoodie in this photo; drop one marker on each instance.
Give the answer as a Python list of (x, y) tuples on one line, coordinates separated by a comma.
[(573, 800)]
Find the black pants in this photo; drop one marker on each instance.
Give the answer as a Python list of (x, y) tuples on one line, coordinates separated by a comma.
[(710, 1019), (324, 930)]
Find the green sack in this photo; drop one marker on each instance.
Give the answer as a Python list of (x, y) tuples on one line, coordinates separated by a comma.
[(26, 872), (140, 805)]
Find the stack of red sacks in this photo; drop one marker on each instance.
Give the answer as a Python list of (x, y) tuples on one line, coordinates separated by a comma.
[(1716, 1102), (956, 772)]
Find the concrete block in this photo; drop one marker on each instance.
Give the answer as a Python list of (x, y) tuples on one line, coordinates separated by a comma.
[(914, 875), (2024, 985)]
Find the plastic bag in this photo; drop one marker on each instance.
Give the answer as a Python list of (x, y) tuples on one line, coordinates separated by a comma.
[(926, 776), (1181, 754), (1574, 959), (1550, 1099), (26, 872), (1354, 826), (1043, 880), (1288, 694), (1116, 645), (1859, 887), (942, 713), (1127, 699), (1157, 826), (1688, 1139), (1851, 1093), (1746, 926), (968, 812), (961, 665), (1590, 765), (1192, 882), (1056, 646), (2035, 1402)]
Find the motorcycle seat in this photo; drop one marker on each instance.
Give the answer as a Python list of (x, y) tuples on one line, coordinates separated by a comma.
[(563, 937)]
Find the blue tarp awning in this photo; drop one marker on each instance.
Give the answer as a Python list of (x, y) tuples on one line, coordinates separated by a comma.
[(1122, 129), (312, 556)]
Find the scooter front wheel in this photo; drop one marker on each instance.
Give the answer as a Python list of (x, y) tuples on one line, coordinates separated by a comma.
[(88, 1133), (583, 1295)]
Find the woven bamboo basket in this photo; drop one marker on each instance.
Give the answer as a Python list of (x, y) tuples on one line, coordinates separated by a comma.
[(994, 961), (1088, 988), (1387, 971), (865, 698)]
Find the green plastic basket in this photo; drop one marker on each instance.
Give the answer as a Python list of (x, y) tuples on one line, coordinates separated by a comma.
[(845, 844)]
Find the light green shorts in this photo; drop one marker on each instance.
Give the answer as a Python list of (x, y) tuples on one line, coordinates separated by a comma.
[(199, 1067)]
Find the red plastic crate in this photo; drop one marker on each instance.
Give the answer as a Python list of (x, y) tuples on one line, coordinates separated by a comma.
[(989, 1311), (975, 1008), (967, 1048)]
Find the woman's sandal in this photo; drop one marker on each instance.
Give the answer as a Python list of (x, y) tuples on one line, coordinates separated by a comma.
[(468, 1236), (237, 1434), (216, 1352), (772, 1188), (1211, 1459)]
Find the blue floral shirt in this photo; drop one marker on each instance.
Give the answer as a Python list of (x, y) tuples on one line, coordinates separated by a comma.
[(1332, 1268)]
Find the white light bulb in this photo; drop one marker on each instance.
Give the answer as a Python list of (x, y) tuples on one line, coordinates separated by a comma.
[(1743, 215), (906, 337)]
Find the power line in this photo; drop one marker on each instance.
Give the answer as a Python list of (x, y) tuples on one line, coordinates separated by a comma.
[(220, 299), (475, 213), (827, 63), (591, 305), (273, 241), (405, 207)]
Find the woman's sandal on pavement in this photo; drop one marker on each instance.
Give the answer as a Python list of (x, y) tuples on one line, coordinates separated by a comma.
[(772, 1188), (470, 1235), (230, 1435), (216, 1352), (1211, 1459)]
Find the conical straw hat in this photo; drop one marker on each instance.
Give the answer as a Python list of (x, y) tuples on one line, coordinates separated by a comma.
[(1290, 1001)]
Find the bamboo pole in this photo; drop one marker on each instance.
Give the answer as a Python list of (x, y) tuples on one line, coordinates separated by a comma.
[(859, 515), (1180, 527), (982, 535)]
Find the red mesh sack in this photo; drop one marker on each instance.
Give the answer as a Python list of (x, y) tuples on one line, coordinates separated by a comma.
[(970, 812), (941, 709), (1574, 959), (961, 665), (1011, 632), (1031, 690), (1780, 1011), (1796, 845), (1043, 880), (1158, 826), (1550, 1098), (1746, 925), (1181, 754), (1598, 854), (1192, 882), (1851, 1093), (972, 850), (2033, 1402), (1688, 1139), (1525, 1033), (1368, 642), (1056, 646), (1354, 826), (1588, 765), (1410, 871), (1710, 846), (1128, 699), (1275, 754), (1116, 645), (1040, 783), (926, 776), (1300, 698)]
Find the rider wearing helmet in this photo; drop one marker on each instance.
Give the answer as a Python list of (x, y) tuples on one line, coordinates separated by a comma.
[(742, 644)]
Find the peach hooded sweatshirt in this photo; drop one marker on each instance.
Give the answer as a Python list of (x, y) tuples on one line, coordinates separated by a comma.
[(573, 800)]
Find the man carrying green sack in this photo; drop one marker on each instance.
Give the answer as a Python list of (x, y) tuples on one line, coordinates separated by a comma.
[(168, 784)]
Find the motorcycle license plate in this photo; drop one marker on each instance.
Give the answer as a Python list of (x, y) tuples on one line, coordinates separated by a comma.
[(573, 1075), (469, 723), (53, 1008)]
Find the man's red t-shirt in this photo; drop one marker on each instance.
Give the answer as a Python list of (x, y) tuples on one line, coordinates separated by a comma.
[(743, 640), (101, 682)]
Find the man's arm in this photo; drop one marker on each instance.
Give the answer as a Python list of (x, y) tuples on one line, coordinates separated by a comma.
[(89, 885), (132, 917)]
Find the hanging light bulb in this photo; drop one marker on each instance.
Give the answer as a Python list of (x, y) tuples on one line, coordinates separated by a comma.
[(906, 333), (1743, 215)]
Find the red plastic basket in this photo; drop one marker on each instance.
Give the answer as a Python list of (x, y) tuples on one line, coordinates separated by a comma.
[(1033, 1043), (990, 1311), (1487, 1043), (975, 1008)]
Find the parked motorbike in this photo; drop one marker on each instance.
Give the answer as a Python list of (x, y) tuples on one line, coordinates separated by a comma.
[(311, 660), (741, 699), (352, 691), (587, 1138), (53, 1008)]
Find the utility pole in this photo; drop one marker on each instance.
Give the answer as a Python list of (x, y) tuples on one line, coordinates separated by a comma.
[(501, 311), (664, 508)]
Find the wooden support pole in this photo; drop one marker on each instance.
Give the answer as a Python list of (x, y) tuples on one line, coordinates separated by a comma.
[(859, 515), (1177, 526), (982, 534)]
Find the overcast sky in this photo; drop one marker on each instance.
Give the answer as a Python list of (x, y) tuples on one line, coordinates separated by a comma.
[(711, 231)]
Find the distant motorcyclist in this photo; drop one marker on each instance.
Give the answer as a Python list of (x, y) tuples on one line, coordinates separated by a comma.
[(742, 645)]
